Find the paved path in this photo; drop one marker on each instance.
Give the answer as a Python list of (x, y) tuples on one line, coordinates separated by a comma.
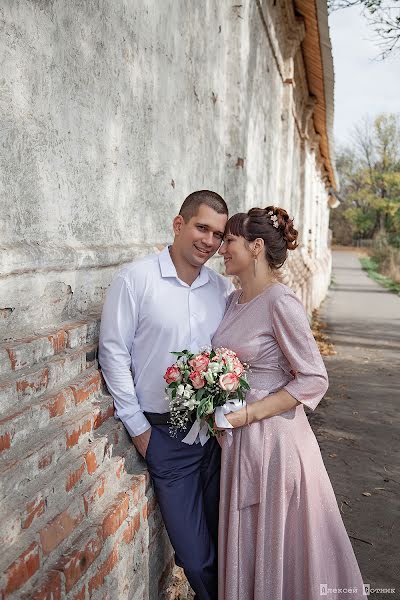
[(358, 422)]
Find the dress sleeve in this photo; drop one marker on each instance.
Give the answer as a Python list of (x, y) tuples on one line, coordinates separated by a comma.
[(293, 334)]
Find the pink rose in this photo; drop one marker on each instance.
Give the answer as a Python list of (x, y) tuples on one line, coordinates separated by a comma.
[(197, 380), (229, 382), (237, 367), (172, 374), (199, 363)]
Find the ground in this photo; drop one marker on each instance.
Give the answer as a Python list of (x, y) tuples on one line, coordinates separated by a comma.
[(357, 423)]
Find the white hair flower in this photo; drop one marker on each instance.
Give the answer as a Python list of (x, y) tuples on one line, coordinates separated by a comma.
[(274, 220)]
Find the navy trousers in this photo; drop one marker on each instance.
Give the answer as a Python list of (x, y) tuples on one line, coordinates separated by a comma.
[(186, 483)]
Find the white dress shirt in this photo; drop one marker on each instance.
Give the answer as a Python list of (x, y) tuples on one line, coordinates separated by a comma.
[(148, 313)]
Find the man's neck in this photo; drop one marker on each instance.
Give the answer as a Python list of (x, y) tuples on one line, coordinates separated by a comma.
[(185, 271)]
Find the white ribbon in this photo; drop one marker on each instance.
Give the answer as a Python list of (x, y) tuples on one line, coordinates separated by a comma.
[(199, 430), (198, 433), (220, 412)]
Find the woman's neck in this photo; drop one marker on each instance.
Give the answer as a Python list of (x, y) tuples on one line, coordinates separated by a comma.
[(252, 285)]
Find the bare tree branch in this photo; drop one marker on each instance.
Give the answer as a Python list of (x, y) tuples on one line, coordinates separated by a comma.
[(383, 17)]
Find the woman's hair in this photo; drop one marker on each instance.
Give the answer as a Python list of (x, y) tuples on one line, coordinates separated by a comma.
[(273, 225)]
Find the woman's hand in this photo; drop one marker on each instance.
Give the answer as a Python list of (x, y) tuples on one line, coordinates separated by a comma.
[(236, 419)]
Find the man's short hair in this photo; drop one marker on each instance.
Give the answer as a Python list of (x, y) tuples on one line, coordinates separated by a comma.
[(191, 205)]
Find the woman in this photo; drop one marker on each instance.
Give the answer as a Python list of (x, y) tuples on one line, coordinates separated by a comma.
[(281, 535)]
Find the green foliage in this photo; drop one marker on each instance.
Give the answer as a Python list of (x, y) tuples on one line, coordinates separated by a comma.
[(371, 266), (369, 174)]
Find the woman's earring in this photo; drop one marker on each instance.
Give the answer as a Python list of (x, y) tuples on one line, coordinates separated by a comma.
[(255, 266)]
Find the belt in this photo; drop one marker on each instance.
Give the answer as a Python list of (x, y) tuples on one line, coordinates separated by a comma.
[(158, 418), (164, 418)]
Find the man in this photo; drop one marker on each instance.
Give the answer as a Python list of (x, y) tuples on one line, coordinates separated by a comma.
[(157, 305)]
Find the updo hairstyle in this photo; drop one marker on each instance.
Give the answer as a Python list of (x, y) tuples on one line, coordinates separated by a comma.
[(273, 225)]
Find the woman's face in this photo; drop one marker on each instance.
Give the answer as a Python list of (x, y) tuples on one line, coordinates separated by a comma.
[(237, 254)]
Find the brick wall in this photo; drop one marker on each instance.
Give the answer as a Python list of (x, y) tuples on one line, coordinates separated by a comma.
[(79, 518)]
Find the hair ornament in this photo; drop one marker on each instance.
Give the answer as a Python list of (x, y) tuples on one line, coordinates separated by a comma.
[(274, 220)]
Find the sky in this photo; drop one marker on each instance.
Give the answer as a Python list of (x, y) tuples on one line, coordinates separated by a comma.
[(363, 84)]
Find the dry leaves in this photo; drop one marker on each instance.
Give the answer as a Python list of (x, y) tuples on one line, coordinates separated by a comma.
[(178, 588), (325, 346)]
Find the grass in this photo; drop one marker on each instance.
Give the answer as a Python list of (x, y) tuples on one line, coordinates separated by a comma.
[(371, 267)]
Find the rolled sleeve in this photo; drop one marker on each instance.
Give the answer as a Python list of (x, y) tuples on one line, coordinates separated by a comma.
[(295, 338), (117, 331)]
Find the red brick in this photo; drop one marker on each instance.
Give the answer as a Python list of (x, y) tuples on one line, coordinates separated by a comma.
[(74, 436), (85, 388), (74, 477), (59, 529), (33, 510), (95, 492), (45, 461), (120, 469), (149, 507), (34, 383), (116, 514), (76, 333), (22, 569), (98, 580), (76, 562), (91, 462), (13, 358), (49, 588), (56, 404), (102, 414), (5, 441), (138, 483), (58, 340), (132, 529)]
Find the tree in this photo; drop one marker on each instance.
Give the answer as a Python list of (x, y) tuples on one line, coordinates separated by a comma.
[(384, 18), (369, 174)]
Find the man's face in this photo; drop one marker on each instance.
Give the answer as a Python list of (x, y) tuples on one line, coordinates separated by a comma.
[(199, 238)]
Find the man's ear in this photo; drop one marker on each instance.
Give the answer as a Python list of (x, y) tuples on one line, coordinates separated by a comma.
[(177, 224)]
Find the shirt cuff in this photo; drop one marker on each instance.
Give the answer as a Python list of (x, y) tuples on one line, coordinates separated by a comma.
[(137, 424)]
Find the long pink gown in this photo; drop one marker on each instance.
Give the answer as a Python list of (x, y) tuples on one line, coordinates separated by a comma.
[(281, 535)]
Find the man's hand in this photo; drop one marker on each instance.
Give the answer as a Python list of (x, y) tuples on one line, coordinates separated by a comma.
[(142, 441)]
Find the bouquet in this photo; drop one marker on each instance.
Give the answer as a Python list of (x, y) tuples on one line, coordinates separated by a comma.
[(200, 384)]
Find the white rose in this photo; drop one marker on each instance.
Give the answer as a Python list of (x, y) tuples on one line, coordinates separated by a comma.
[(188, 391), (191, 404), (180, 389), (208, 376)]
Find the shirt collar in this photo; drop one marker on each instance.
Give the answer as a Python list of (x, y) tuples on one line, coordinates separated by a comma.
[(167, 268)]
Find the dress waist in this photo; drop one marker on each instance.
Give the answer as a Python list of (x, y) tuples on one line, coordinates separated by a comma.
[(271, 379)]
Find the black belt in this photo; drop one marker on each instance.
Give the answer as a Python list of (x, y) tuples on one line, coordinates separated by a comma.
[(158, 418), (163, 418)]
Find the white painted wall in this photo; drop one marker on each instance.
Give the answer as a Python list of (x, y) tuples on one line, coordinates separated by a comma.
[(112, 112)]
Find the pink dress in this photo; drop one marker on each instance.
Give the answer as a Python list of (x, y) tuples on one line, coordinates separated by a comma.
[(281, 535)]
